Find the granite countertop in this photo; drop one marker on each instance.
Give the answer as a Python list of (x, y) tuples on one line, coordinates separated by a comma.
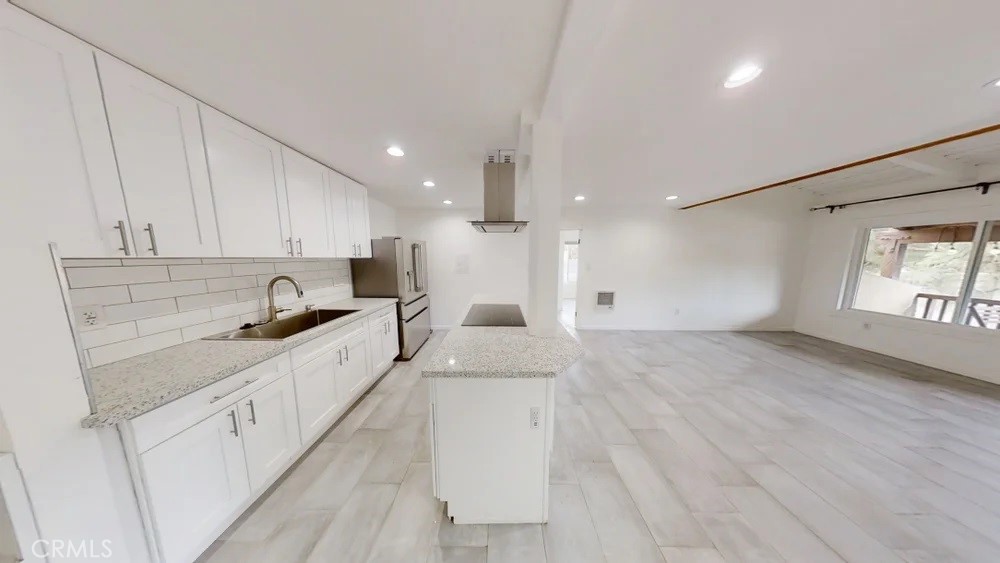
[(128, 388), (502, 352)]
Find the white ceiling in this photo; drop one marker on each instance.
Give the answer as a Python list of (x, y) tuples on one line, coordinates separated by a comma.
[(448, 79)]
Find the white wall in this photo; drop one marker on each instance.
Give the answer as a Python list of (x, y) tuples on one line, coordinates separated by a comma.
[(382, 219), (463, 263), (727, 266), (567, 289), (832, 237)]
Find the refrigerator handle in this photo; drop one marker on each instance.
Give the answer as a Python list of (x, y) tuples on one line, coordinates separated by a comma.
[(417, 267), (409, 280)]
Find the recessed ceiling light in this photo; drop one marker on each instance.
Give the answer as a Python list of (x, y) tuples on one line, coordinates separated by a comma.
[(580, 198), (446, 202), (395, 151), (742, 75), (671, 197), (429, 183), (994, 82)]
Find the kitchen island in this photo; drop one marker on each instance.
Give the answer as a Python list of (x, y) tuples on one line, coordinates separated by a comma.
[(492, 393)]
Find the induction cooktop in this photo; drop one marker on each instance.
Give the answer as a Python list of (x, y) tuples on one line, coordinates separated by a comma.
[(494, 315)]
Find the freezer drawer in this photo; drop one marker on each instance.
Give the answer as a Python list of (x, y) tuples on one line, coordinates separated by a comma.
[(413, 333), (410, 310)]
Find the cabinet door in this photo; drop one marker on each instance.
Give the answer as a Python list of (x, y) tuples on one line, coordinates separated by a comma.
[(354, 372), (316, 393), (194, 482), (248, 187), (392, 338), (376, 336), (161, 161), (357, 204), (340, 216), (270, 430), (308, 208), (57, 165)]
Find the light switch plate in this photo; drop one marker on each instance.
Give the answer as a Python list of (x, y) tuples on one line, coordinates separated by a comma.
[(535, 415), (89, 317)]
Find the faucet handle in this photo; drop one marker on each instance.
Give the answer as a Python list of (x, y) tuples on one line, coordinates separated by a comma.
[(281, 310)]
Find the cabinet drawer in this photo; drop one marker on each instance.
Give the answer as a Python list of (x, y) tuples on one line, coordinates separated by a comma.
[(158, 425), (316, 347)]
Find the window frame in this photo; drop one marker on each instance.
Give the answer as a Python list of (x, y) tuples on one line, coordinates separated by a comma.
[(980, 241)]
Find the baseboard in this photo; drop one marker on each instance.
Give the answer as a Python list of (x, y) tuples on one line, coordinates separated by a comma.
[(688, 329)]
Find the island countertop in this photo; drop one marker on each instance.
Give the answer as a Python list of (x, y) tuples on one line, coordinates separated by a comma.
[(502, 352), (128, 388)]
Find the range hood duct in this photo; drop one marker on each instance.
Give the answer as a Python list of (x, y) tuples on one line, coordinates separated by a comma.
[(498, 195)]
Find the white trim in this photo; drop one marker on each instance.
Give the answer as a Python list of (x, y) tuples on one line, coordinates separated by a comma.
[(18, 505)]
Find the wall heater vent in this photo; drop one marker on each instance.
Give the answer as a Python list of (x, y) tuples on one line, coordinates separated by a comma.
[(605, 300)]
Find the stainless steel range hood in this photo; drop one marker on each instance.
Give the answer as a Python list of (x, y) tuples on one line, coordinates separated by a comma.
[(498, 196)]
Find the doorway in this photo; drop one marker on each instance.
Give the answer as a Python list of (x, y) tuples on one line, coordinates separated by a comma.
[(569, 272)]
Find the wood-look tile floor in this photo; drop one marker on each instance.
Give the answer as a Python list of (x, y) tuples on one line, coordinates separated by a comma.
[(672, 446)]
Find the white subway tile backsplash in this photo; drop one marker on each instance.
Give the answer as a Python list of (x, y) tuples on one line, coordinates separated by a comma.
[(205, 300), (106, 295), (153, 303), (227, 260), (156, 261), (235, 309), (224, 284), (127, 348), (255, 268), (143, 310), (251, 293), (170, 322), (202, 330), (201, 271), (115, 275), (90, 262), (148, 291), (108, 334)]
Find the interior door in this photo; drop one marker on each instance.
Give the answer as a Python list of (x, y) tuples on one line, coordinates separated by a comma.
[(271, 430), (248, 187), (161, 160), (194, 481), (316, 393), (340, 217), (308, 208), (57, 165)]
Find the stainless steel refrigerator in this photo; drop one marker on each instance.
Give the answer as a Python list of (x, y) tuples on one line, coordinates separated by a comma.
[(398, 268)]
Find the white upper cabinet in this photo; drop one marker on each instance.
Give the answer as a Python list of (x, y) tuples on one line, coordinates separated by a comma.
[(340, 217), (357, 206), (248, 186), (161, 161), (308, 206), (57, 164)]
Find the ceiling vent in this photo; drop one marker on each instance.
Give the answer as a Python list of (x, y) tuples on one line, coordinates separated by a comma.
[(498, 195)]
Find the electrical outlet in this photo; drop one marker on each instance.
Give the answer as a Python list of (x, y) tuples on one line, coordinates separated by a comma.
[(534, 416), (90, 317), (867, 326)]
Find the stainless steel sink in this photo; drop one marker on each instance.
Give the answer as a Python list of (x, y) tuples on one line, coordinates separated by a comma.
[(284, 328)]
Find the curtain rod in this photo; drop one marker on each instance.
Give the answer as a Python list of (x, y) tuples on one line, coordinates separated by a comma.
[(984, 188)]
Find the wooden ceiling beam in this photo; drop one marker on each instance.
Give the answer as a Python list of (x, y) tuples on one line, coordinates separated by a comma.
[(870, 160)]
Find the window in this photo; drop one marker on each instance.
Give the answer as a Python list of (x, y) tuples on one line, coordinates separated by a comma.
[(946, 273)]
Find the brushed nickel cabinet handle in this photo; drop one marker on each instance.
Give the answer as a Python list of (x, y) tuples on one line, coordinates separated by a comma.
[(253, 413), (121, 231), (347, 354), (152, 239), (236, 428), (218, 398), (300, 247), (340, 357), (291, 251)]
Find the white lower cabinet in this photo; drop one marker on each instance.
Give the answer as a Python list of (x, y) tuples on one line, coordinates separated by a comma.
[(194, 482), (270, 425), (352, 373), (384, 336), (202, 459), (316, 392)]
